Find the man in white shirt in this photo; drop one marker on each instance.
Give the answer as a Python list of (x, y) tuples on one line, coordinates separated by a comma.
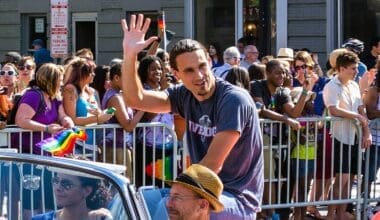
[(231, 57), (342, 98), (251, 56)]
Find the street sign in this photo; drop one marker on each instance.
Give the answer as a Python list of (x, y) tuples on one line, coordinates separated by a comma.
[(59, 28)]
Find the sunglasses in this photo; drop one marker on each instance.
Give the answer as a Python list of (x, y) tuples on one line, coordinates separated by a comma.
[(9, 73), (28, 67), (300, 67), (65, 184)]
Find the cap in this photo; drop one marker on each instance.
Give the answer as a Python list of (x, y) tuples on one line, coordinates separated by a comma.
[(37, 42)]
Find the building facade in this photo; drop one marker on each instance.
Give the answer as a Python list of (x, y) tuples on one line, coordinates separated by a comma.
[(320, 25)]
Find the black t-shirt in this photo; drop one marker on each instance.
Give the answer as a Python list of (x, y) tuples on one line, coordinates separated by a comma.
[(260, 89), (369, 60)]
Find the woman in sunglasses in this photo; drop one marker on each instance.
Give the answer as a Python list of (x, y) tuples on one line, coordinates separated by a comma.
[(26, 68), (8, 78), (305, 72), (79, 198)]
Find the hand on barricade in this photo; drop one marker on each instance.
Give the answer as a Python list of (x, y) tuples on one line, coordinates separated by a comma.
[(103, 117), (293, 123), (94, 111), (367, 140), (54, 128), (134, 34), (363, 120), (67, 122)]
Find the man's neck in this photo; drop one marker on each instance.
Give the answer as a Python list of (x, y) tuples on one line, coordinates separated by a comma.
[(272, 88), (343, 80)]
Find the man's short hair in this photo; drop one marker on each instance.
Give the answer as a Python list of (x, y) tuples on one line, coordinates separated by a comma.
[(271, 65), (250, 47), (184, 46), (346, 59), (374, 42), (242, 40), (231, 53)]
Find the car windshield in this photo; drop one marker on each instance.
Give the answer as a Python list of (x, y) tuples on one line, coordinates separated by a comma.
[(35, 191)]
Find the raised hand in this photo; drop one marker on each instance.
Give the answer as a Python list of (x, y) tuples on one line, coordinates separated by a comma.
[(133, 41)]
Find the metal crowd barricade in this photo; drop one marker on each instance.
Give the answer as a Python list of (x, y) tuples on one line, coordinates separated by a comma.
[(99, 148), (372, 163), (288, 153), (14, 138), (280, 174)]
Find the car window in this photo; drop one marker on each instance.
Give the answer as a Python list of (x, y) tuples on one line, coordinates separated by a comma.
[(35, 191)]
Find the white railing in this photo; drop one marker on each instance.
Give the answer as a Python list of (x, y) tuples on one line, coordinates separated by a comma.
[(285, 187)]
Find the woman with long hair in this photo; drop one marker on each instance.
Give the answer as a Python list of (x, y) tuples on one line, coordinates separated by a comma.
[(216, 54), (39, 110), (79, 100)]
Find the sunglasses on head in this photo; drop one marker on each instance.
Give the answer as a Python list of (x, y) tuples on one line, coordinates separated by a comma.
[(9, 73), (300, 67), (65, 184), (28, 67)]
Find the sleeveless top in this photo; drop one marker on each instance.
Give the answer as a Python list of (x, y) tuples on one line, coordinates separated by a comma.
[(119, 131), (81, 110)]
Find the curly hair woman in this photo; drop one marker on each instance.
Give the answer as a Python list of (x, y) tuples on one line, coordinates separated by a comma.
[(79, 198)]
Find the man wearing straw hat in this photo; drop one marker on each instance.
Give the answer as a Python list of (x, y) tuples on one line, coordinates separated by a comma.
[(223, 128), (194, 194)]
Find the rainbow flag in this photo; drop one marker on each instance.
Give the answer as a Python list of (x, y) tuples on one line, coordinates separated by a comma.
[(161, 22), (62, 142), (160, 169)]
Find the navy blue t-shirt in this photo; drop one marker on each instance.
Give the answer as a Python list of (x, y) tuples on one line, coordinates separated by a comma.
[(229, 109)]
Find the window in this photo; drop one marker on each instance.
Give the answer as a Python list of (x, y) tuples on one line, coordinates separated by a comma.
[(361, 20)]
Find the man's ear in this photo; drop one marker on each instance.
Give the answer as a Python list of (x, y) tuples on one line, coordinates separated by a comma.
[(204, 204), (176, 74)]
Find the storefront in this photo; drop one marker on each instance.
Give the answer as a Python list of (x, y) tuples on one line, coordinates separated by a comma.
[(319, 25), (225, 21)]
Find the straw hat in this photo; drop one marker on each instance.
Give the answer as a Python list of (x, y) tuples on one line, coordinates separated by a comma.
[(285, 54), (204, 182)]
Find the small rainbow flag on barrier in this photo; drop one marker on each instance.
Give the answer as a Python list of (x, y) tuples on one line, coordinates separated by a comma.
[(62, 142), (157, 166)]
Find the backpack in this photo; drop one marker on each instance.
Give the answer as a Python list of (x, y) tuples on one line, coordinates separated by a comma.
[(11, 118)]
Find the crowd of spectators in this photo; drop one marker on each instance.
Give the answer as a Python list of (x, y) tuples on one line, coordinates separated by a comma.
[(50, 97)]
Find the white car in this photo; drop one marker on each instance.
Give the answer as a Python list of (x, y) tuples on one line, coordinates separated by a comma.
[(39, 187)]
